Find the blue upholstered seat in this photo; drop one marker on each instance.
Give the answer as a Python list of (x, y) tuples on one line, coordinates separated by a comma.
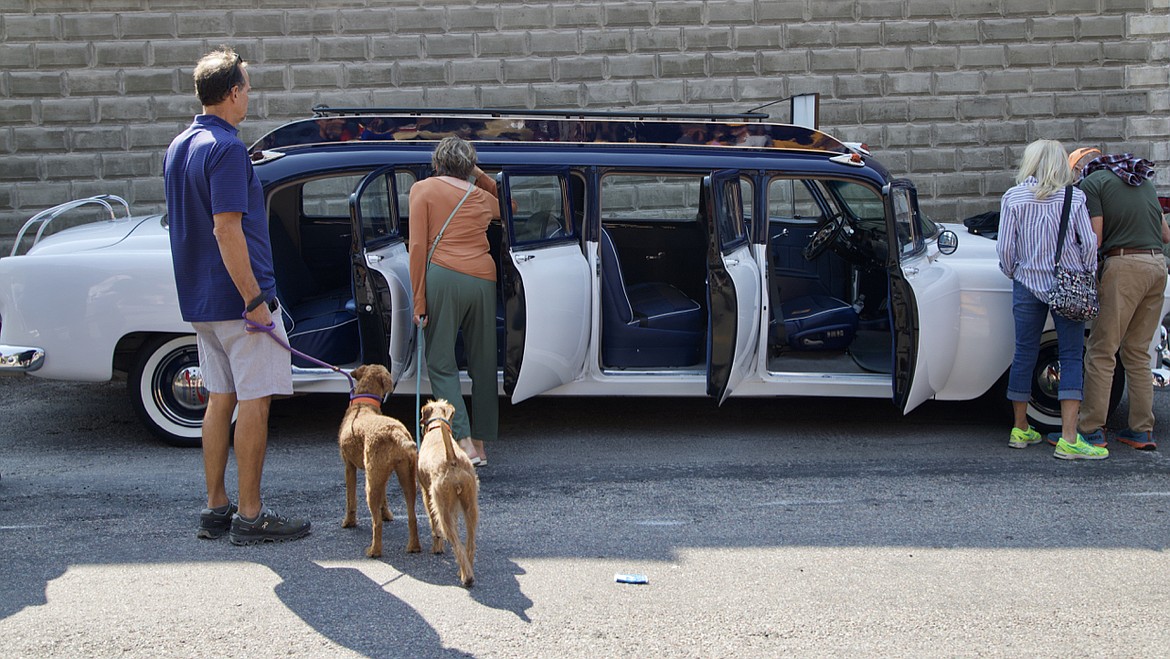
[(320, 322), (651, 324)]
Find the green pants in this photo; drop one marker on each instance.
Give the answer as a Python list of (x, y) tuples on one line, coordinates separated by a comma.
[(456, 301)]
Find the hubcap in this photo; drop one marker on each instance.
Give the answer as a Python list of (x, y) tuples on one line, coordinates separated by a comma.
[(188, 390), (1047, 387)]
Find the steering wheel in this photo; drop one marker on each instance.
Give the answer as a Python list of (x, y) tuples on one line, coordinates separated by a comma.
[(828, 234)]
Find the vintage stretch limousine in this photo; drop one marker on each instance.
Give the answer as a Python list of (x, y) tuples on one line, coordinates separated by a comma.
[(689, 255)]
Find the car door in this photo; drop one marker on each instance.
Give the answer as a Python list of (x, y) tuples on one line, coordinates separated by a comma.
[(381, 269), (924, 303), (733, 286), (546, 285)]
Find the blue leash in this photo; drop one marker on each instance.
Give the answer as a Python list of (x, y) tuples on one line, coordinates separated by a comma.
[(418, 389)]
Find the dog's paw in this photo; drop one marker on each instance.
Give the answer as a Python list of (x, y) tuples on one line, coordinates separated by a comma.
[(373, 551), (348, 522), (413, 547)]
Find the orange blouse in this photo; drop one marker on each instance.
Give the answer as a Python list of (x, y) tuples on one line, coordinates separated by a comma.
[(464, 247)]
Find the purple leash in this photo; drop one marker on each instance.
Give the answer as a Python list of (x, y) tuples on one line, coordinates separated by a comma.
[(270, 330)]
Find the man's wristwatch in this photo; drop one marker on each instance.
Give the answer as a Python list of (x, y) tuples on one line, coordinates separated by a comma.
[(256, 301)]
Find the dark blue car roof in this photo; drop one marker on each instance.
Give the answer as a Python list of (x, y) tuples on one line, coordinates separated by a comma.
[(316, 159)]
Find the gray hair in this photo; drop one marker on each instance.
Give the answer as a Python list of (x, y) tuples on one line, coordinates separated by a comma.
[(454, 156), (1048, 162)]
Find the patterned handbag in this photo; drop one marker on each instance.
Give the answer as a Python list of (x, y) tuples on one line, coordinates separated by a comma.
[(1074, 294)]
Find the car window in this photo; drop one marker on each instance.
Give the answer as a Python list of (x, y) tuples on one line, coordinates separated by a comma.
[(910, 238), (792, 199), (650, 197), (389, 191), (328, 197), (732, 230), (862, 202), (540, 209)]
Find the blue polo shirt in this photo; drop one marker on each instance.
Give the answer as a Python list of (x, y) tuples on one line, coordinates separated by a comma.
[(207, 171)]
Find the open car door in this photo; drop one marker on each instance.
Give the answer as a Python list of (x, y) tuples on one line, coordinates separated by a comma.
[(380, 268), (924, 303), (733, 286), (545, 283)]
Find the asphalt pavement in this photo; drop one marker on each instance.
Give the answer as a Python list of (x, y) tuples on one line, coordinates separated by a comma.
[(771, 527)]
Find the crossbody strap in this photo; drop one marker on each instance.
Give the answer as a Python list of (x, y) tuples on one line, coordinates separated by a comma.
[(470, 187), (1064, 211)]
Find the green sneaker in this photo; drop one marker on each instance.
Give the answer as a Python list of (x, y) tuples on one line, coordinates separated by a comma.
[(1081, 450), (1024, 438)]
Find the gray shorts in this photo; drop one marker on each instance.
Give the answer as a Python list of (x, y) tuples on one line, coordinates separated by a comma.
[(249, 364)]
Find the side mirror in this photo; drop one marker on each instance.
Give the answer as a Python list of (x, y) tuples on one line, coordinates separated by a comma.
[(948, 242)]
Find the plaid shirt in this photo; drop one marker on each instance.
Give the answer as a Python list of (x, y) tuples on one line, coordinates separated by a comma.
[(1126, 166)]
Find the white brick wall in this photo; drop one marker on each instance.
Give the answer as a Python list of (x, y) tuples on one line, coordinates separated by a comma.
[(945, 91)]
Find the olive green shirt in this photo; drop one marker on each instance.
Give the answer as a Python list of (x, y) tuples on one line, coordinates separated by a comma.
[(1131, 215)]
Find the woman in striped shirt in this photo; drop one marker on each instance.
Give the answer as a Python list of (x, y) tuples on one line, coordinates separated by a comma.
[(1028, 227)]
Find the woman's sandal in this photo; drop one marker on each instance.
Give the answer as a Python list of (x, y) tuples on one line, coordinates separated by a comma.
[(471, 455), (478, 445)]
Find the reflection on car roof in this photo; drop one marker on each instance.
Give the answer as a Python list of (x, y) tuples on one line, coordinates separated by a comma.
[(410, 127)]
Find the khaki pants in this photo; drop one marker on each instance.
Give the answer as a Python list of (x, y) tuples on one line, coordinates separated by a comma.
[(1130, 293)]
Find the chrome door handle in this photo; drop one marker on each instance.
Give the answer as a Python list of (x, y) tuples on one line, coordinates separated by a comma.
[(524, 258), (373, 258), (910, 271), (656, 257), (731, 263)]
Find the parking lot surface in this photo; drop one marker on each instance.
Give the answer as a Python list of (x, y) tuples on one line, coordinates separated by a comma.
[(766, 527)]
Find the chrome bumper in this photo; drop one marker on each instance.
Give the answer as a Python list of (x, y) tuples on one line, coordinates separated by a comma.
[(20, 359)]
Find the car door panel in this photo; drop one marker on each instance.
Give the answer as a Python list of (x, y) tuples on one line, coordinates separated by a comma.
[(380, 266), (924, 306), (733, 285), (546, 290)]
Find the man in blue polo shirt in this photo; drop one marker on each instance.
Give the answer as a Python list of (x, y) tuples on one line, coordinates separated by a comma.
[(223, 271)]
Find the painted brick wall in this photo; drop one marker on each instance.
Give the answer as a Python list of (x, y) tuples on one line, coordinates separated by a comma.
[(946, 92)]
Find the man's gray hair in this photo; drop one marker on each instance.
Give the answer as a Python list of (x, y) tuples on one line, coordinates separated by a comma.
[(454, 156)]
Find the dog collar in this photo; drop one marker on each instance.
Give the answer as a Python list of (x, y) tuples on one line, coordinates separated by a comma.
[(365, 399), (428, 422)]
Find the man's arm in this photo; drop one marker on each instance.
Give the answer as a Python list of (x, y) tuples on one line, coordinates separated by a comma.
[(1098, 226), (233, 249)]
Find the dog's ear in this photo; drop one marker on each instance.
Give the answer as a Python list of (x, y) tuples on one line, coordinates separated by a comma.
[(387, 381), (359, 372)]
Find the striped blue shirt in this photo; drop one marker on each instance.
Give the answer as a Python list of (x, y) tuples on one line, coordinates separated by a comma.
[(1027, 237)]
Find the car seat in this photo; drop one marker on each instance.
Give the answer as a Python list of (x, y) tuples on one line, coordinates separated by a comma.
[(818, 322), (651, 324), (319, 322)]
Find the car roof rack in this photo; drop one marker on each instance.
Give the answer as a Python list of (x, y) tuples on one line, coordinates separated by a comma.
[(327, 111), (330, 125)]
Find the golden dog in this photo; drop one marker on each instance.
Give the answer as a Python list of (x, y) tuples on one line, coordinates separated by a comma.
[(380, 445), (448, 482)]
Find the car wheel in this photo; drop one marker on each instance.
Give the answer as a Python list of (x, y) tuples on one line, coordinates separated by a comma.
[(1044, 408), (166, 389)]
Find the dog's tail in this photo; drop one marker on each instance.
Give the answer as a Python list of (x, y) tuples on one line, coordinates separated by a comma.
[(448, 442)]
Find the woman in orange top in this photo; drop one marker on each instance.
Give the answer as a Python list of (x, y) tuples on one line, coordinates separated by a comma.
[(456, 290)]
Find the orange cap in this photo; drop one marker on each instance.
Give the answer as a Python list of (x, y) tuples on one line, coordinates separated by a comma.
[(1076, 156)]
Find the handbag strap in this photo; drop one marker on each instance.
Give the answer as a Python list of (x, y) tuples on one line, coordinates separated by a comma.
[(1064, 211), (470, 187)]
